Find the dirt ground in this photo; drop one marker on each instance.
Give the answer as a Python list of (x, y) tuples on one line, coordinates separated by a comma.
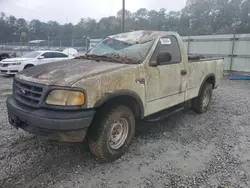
[(186, 150)]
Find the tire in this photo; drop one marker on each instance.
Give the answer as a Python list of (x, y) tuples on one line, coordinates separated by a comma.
[(201, 103), (28, 66), (110, 125)]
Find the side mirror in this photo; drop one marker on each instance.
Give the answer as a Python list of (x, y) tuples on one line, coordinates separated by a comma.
[(41, 57), (163, 57)]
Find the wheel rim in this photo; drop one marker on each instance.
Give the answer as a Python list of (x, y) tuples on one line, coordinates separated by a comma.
[(118, 133), (206, 98)]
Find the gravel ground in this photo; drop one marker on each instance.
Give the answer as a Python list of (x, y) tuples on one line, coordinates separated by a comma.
[(186, 150)]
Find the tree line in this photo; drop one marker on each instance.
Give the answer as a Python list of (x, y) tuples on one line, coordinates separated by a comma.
[(202, 18)]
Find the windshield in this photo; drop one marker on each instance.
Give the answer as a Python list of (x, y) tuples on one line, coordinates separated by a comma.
[(31, 55), (121, 51)]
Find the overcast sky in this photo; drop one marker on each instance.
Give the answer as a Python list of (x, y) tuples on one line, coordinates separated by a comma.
[(72, 10)]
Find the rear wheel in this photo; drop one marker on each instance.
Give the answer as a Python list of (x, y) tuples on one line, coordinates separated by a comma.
[(112, 133), (201, 103), (28, 66)]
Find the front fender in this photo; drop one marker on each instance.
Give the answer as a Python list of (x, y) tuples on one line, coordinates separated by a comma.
[(103, 87), (121, 93)]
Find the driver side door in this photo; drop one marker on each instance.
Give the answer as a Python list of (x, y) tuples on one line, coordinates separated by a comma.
[(164, 79), (48, 57)]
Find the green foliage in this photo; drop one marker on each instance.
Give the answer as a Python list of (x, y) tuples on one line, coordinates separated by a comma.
[(204, 17)]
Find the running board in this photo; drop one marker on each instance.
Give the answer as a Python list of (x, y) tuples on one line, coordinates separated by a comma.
[(164, 114)]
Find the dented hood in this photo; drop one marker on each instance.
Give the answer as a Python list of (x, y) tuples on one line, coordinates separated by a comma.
[(66, 73)]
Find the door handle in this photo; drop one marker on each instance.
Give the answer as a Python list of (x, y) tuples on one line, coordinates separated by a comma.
[(183, 72), (140, 80)]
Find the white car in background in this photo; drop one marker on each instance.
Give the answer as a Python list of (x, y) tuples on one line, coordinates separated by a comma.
[(14, 65)]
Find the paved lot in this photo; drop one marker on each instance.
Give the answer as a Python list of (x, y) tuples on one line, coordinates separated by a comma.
[(186, 150)]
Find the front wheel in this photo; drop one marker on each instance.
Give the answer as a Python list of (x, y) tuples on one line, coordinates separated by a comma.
[(112, 133), (28, 66), (201, 103)]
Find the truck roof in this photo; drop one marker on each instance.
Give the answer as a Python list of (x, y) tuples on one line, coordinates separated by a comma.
[(140, 36)]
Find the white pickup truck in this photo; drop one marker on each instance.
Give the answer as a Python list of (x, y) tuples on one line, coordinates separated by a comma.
[(99, 96)]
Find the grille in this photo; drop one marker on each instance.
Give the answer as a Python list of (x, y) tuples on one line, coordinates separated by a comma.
[(27, 93)]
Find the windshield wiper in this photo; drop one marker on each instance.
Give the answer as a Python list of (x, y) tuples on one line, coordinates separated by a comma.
[(102, 57)]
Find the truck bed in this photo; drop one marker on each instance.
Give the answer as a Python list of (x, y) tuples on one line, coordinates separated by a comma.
[(199, 68)]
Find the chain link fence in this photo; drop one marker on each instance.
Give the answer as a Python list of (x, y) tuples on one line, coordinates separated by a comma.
[(22, 47)]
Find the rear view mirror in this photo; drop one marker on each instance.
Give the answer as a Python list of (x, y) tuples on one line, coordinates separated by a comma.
[(163, 57), (41, 57)]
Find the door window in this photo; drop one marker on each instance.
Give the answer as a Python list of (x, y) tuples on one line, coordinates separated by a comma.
[(59, 55), (168, 44), (54, 55), (48, 55)]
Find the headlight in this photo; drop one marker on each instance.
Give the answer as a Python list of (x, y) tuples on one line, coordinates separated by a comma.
[(18, 63), (65, 98)]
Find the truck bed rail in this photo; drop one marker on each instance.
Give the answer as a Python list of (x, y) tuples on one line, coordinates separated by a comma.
[(195, 58)]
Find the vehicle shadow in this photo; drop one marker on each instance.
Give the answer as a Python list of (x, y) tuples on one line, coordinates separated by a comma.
[(146, 129), (7, 76), (45, 161)]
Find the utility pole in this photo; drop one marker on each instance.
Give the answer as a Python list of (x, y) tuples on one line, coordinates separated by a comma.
[(87, 45), (48, 41), (29, 41), (86, 42), (60, 42), (123, 15)]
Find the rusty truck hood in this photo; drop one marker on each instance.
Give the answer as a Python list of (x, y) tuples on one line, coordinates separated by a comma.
[(66, 73)]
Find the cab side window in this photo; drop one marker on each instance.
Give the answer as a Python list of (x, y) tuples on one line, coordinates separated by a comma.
[(48, 55), (59, 55), (168, 44)]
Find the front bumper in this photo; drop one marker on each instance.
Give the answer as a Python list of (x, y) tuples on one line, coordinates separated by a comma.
[(61, 125), (10, 70)]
